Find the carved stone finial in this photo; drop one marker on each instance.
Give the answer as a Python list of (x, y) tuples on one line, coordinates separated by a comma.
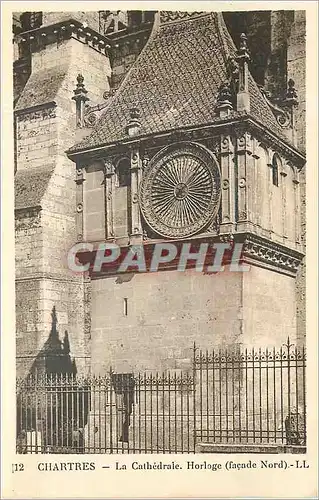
[(80, 97), (80, 90), (291, 91), (135, 113), (289, 103), (224, 100), (80, 79), (243, 58), (134, 124), (224, 93), (243, 42)]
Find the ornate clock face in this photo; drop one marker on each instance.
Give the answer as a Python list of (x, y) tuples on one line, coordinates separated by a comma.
[(180, 190)]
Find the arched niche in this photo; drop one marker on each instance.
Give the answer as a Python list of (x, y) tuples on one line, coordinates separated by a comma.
[(122, 170), (122, 197), (262, 181)]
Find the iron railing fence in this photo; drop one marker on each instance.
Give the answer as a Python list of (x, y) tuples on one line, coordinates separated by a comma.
[(228, 397), (251, 397)]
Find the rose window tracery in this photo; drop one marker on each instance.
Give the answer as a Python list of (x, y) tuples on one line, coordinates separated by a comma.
[(180, 192)]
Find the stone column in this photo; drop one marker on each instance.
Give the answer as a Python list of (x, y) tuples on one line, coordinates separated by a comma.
[(283, 176), (109, 172), (80, 178), (136, 168), (297, 211), (244, 151), (228, 184)]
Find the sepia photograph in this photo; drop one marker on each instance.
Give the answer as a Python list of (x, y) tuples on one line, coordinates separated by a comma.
[(160, 231)]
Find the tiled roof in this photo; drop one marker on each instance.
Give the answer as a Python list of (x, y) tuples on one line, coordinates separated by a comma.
[(30, 186), (175, 81)]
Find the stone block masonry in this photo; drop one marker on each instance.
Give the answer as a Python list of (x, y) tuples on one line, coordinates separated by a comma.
[(150, 321), (46, 202)]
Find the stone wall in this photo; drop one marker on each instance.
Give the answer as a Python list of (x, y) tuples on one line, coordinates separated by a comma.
[(269, 308), (166, 312), (150, 321), (44, 235), (296, 69)]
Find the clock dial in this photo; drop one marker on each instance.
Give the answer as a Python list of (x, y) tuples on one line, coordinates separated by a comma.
[(180, 191)]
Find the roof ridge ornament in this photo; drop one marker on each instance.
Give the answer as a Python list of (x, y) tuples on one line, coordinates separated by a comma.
[(243, 58)]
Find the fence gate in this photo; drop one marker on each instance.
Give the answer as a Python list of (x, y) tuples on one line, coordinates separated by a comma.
[(247, 397)]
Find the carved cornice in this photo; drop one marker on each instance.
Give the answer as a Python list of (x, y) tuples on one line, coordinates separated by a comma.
[(28, 211), (257, 251), (49, 106), (270, 139), (269, 253), (206, 132), (63, 30)]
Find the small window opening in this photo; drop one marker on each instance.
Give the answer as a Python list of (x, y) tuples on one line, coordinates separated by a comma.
[(123, 173), (275, 171), (125, 306)]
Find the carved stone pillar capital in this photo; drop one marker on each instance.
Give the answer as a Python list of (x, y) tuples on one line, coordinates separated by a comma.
[(108, 166), (226, 145), (244, 143)]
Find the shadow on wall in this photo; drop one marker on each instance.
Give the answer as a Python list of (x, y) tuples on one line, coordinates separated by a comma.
[(52, 405), (54, 357)]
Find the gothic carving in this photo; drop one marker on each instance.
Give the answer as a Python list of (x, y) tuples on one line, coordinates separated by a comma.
[(145, 162), (92, 113), (244, 142), (180, 190), (60, 31), (282, 116), (44, 113), (272, 253), (108, 167)]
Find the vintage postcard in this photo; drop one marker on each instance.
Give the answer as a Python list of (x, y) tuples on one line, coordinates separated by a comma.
[(159, 249)]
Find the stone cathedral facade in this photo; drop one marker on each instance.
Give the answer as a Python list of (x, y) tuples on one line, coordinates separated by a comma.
[(142, 127)]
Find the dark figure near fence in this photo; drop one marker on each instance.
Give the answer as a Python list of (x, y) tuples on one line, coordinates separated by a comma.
[(123, 384)]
